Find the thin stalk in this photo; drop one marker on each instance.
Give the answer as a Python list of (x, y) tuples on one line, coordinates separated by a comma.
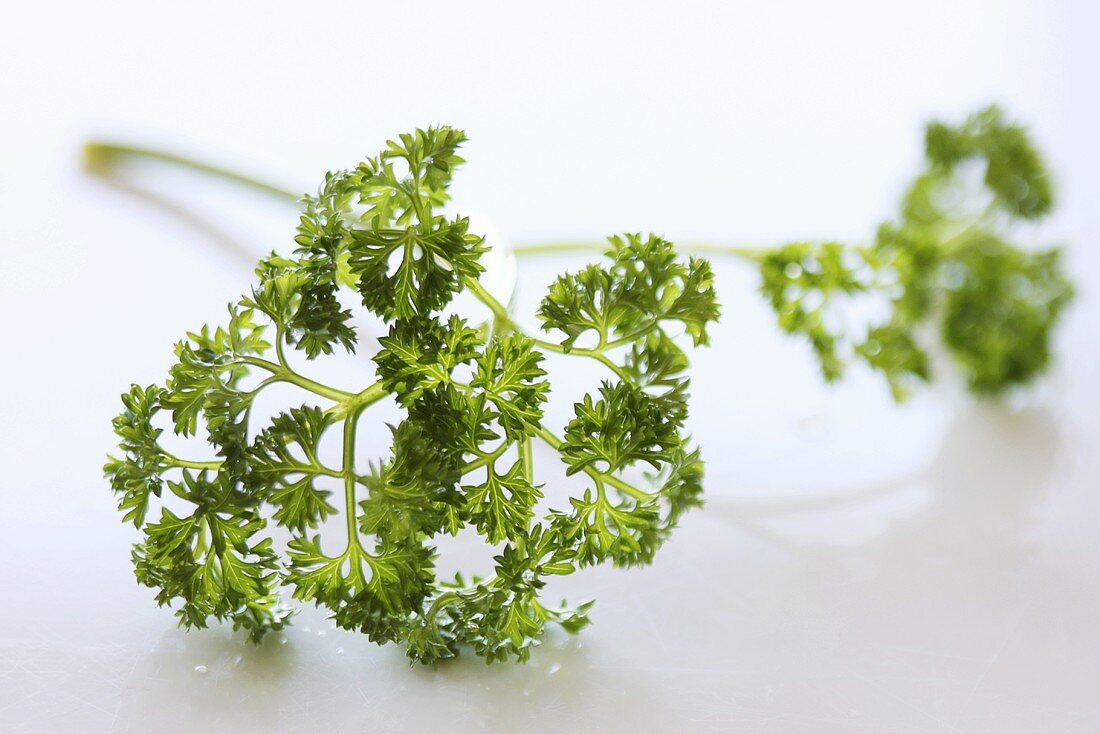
[(360, 400), (555, 443), (187, 464), (745, 252), (498, 309), (524, 449), (485, 459), (502, 318), (287, 375), (102, 155), (348, 471)]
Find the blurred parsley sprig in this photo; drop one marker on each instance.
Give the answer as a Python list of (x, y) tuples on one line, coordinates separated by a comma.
[(946, 263), (462, 457), (947, 259)]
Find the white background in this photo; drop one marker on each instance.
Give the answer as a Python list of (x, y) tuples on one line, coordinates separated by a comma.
[(860, 566)]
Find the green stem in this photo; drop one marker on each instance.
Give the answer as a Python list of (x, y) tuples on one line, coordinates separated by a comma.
[(502, 318), (348, 470), (101, 155), (524, 449), (498, 309), (280, 338), (745, 252), (581, 351), (360, 400), (186, 464), (619, 371), (555, 443), (485, 459), (347, 404), (288, 375)]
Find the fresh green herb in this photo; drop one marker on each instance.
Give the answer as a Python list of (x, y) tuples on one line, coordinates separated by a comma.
[(946, 261), (462, 457), (473, 394)]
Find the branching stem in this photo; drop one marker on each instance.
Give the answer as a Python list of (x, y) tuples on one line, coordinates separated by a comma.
[(555, 443), (502, 319), (286, 374)]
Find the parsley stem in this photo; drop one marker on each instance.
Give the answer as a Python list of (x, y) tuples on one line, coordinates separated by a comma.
[(348, 470), (288, 375), (524, 449), (555, 443), (187, 464), (101, 155), (280, 337), (368, 396), (485, 459), (500, 312), (619, 371), (501, 317), (746, 252), (595, 354)]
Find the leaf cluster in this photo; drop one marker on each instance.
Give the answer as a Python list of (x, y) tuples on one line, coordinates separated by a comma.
[(465, 454), (947, 261)]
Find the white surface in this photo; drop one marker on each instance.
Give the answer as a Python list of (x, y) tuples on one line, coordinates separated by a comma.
[(859, 566)]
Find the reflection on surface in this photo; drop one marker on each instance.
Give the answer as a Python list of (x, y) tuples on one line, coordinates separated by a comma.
[(993, 467), (939, 613), (305, 677)]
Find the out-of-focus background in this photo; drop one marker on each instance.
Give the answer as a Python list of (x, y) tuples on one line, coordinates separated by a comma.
[(860, 566)]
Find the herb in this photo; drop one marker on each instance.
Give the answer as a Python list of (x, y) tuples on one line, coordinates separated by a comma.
[(947, 259), (473, 394), (946, 262), (462, 457)]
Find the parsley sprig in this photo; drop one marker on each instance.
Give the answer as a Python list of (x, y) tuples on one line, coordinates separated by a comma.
[(946, 263), (462, 457)]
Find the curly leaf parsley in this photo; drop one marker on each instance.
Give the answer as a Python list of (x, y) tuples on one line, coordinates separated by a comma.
[(472, 397)]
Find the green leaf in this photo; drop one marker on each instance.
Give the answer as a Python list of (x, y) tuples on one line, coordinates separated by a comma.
[(284, 463), (628, 531), (209, 368), (212, 562), (138, 474), (800, 281), (1014, 172), (427, 159), (582, 302), (661, 288), (404, 273), (644, 287), (510, 375), (624, 426), (999, 312), (420, 354), (428, 444), (656, 362), (502, 506)]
